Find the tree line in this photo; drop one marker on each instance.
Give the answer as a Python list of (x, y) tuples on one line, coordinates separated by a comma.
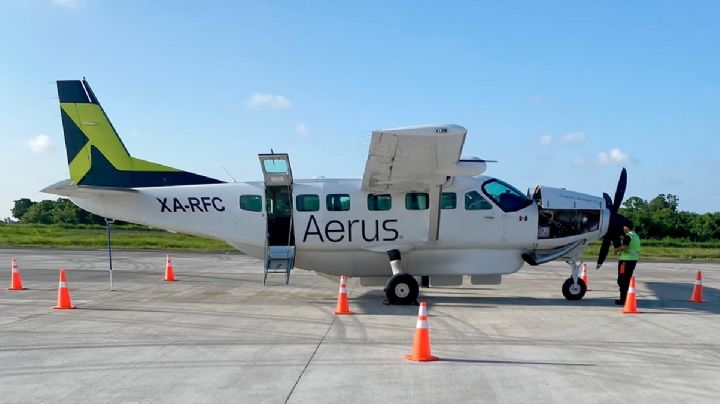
[(656, 219), (61, 211), (659, 218)]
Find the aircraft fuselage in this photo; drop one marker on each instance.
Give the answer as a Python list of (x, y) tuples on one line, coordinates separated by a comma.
[(352, 239)]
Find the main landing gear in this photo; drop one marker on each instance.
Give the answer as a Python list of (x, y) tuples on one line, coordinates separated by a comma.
[(574, 287), (401, 288)]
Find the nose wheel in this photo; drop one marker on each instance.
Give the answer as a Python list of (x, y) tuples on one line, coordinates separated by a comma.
[(572, 290)]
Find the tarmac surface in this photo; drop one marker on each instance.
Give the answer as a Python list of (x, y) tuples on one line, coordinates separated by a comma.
[(218, 335)]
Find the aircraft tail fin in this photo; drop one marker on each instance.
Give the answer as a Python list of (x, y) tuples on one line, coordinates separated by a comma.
[(97, 156)]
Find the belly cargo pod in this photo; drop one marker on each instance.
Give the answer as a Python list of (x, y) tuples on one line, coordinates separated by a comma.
[(564, 213)]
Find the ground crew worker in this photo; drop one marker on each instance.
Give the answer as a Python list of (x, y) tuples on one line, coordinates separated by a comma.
[(629, 255)]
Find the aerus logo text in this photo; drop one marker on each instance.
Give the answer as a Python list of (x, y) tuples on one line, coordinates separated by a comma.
[(336, 231), (191, 204)]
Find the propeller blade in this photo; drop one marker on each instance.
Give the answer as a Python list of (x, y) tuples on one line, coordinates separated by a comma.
[(620, 191), (616, 220), (621, 221), (604, 249), (608, 201)]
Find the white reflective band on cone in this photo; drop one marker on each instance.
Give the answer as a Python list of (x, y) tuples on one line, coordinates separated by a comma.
[(422, 311), (63, 285), (697, 282), (631, 290), (343, 290), (423, 324)]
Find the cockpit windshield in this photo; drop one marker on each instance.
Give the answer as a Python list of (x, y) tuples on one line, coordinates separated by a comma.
[(505, 195)]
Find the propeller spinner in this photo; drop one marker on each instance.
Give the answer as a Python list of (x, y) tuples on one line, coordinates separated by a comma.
[(617, 221)]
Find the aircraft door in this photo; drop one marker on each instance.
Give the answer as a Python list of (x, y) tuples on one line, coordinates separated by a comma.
[(280, 236), (482, 221), (278, 199)]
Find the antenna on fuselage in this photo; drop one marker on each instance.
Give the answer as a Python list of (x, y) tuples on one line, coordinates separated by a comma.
[(228, 173)]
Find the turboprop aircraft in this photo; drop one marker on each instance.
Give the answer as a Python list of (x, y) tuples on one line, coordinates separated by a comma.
[(419, 211)]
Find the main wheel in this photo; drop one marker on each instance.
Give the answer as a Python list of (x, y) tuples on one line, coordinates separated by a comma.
[(571, 291), (402, 289)]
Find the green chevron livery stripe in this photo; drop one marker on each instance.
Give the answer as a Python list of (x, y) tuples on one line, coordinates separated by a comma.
[(97, 156)]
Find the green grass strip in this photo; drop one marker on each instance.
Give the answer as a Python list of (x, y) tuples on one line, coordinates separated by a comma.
[(141, 237)]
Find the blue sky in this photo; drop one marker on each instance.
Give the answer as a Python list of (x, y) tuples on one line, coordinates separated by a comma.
[(561, 93)]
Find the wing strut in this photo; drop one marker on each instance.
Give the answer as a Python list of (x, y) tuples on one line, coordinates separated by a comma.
[(434, 218)]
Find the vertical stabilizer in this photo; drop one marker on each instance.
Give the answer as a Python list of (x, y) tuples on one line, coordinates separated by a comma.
[(97, 156)]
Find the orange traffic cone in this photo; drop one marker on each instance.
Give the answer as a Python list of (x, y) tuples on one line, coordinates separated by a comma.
[(16, 281), (631, 300), (584, 276), (421, 344), (169, 274), (342, 303), (63, 302), (697, 294)]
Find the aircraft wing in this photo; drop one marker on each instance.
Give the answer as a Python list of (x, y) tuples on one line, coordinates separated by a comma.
[(417, 158)]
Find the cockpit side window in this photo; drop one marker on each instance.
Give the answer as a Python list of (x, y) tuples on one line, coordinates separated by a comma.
[(475, 201), (505, 195)]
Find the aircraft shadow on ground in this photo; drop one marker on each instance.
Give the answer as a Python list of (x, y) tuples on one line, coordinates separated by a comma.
[(669, 298), (509, 362), (674, 297), (372, 302)]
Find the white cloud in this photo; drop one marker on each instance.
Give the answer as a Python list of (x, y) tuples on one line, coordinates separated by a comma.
[(545, 140), (614, 156), (302, 129), (39, 144), (579, 161), (573, 138), (68, 3), (268, 100)]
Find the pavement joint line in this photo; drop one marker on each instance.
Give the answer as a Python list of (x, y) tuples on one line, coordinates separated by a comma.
[(292, 390), (29, 317)]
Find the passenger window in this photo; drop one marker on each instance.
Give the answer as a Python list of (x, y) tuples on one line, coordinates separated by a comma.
[(307, 203), (337, 202), (505, 196), (475, 201), (252, 203), (448, 200), (417, 201), (379, 202)]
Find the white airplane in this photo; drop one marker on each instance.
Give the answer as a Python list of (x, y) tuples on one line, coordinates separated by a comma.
[(418, 200)]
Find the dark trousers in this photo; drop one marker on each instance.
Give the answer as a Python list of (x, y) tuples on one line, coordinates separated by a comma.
[(625, 273)]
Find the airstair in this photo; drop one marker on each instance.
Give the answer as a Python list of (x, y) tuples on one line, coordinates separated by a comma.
[(280, 238), (279, 260)]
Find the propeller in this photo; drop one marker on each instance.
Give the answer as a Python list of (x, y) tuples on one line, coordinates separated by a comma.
[(617, 221)]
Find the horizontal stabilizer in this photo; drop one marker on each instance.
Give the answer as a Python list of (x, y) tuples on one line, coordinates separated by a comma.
[(71, 190)]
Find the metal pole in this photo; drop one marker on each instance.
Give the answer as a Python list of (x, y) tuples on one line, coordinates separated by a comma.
[(107, 228)]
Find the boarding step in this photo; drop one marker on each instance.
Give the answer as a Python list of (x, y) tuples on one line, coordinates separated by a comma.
[(278, 260)]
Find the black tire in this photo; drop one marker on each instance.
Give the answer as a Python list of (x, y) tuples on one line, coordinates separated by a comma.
[(571, 292), (402, 289)]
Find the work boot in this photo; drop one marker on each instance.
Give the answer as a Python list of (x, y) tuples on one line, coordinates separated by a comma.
[(619, 302)]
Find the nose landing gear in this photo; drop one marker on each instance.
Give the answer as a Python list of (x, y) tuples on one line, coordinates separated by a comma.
[(574, 288)]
